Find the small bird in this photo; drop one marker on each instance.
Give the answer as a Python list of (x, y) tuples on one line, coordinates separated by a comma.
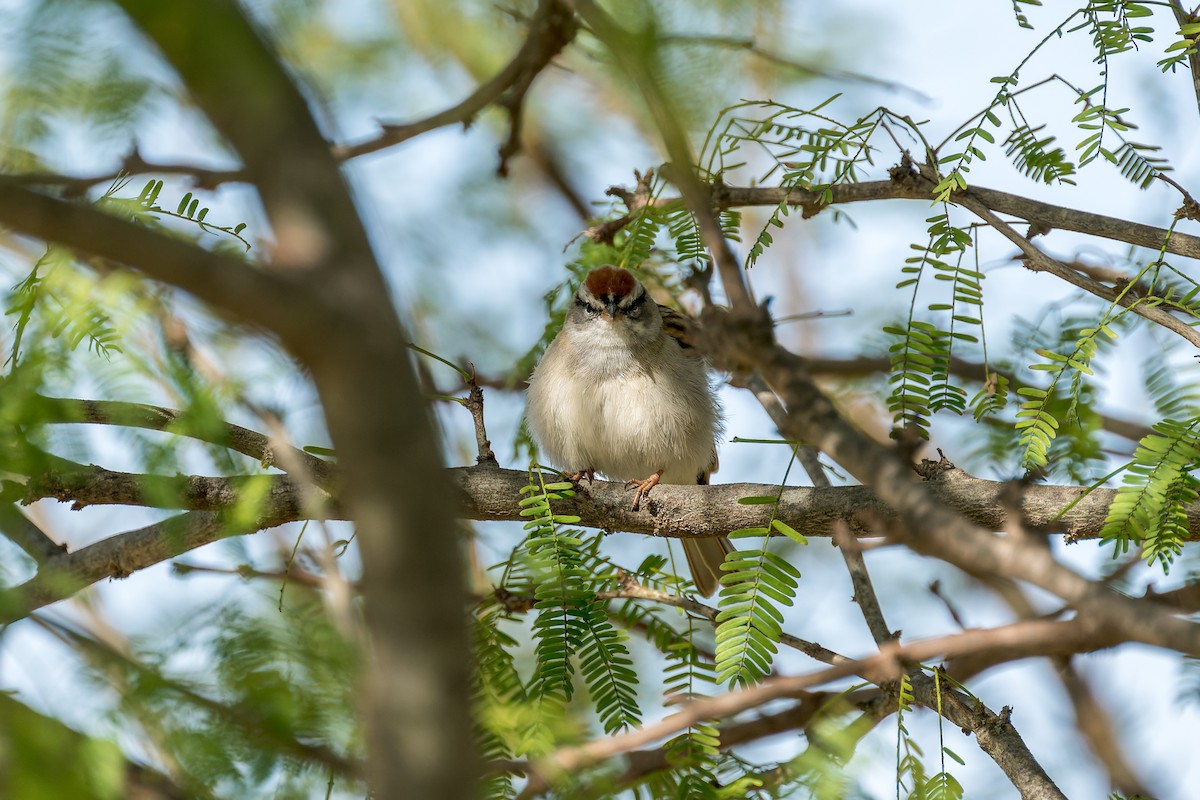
[(617, 392)]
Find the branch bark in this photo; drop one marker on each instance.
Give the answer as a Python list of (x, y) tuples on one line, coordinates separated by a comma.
[(688, 511), (1045, 215)]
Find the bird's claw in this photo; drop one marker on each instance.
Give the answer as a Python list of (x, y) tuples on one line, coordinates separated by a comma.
[(643, 488), (577, 477)]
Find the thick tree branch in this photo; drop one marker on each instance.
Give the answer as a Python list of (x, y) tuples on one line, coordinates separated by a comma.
[(221, 280), (925, 524), (92, 485), (686, 511), (341, 322)]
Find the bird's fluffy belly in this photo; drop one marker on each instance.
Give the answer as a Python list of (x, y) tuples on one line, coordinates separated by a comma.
[(609, 426)]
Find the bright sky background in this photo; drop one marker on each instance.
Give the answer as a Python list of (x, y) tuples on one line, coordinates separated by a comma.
[(480, 294)]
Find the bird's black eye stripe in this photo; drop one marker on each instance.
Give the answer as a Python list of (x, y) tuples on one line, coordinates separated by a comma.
[(586, 306), (636, 302)]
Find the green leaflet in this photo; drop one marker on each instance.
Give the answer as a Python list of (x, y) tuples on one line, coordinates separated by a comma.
[(755, 584), (571, 626), (1150, 509)]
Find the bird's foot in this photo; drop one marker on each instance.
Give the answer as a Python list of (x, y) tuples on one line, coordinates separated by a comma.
[(577, 477), (643, 488)]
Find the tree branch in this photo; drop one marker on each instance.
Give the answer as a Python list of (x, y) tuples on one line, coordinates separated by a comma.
[(689, 511), (119, 557), (340, 321), (54, 410), (92, 485), (223, 281), (994, 733), (636, 53), (551, 29), (1040, 262), (1183, 18), (905, 186), (925, 524)]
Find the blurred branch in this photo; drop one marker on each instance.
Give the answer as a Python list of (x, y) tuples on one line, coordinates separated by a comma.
[(239, 716), (752, 47), (224, 281), (640, 763), (551, 29), (132, 164), (332, 309), (119, 557), (92, 485), (54, 410), (1094, 723), (77, 752), (1183, 17), (994, 733), (22, 530), (635, 52)]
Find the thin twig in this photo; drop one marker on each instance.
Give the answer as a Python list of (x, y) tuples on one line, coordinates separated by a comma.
[(1040, 262), (474, 404)]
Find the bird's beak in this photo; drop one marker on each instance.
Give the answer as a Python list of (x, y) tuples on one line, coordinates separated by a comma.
[(611, 305)]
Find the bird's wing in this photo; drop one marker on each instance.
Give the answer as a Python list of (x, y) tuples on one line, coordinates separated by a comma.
[(681, 328)]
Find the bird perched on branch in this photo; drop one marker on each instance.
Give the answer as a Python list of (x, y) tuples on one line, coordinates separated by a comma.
[(620, 392)]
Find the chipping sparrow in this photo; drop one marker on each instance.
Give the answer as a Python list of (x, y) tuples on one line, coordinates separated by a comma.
[(618, 393)]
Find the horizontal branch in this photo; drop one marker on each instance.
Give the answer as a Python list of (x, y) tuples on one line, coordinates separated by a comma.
[(1045, 215), (700, 511), (96, 486), (489, 493), (120, 556), (54, 410)]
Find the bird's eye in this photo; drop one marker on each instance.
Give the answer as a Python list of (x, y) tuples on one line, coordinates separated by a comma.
[(588, 308), (633, 309)]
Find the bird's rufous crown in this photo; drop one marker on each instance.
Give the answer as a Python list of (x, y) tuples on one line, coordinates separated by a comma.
[(609, 281)]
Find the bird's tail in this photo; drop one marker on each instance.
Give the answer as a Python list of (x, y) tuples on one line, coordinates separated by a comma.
[(704, 558)]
